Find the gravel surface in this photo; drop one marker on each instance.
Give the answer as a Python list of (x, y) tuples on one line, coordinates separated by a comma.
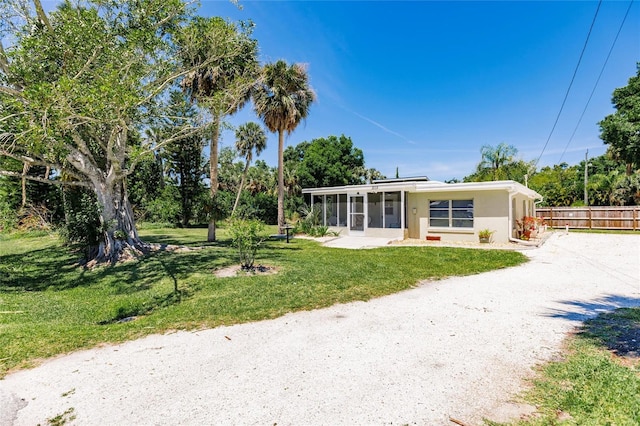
[(461, 347)]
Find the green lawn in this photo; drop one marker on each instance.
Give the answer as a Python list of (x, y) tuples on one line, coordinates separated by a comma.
[(605, 231), (49, 305), (598, 380)]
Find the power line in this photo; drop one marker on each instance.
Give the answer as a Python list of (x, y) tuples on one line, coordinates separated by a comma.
[(597, 81), (570, 84)]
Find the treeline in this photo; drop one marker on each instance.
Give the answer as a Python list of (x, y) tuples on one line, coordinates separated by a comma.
[(172, 185), (562, 184)]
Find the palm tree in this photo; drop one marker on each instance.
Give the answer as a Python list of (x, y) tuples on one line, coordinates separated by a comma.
[(291, 181), (282, 99), (495, 159), (249, 137), (224, 68)]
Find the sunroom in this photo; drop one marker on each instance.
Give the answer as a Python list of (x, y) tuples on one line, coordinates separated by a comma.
[(373, 210)]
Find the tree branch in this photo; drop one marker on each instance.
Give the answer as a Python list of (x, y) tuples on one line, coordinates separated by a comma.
[(41, 15), (25, 159), (85, 67), (12, 92), (83, 165), (4, 62), (182, 134), (43, 180), (168, 80), (82, 147)]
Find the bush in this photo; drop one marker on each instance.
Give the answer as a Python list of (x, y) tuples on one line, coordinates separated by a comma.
[(261, 206), (8, 217), (82, 219), (246, 236), (309, 223), (164, 208)]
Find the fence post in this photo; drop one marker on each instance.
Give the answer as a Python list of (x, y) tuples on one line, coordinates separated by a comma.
[(633, 215), (551, 217), (589, 217)]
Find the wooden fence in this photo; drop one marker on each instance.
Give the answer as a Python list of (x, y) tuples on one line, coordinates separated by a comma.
[(609, 217)]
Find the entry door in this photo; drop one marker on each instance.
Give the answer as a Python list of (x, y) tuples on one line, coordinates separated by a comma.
[(356, 213)]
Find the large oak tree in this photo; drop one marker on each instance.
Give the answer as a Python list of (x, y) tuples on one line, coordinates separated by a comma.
[(77, 86)]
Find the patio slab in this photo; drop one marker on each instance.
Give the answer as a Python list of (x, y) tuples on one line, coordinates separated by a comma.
[(350, 242)]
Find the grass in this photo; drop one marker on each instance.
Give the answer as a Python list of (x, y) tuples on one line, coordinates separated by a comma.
[(49, 305), (598, 381), (605, 231)]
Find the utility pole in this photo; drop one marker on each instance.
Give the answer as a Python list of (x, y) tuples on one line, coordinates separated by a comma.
[(586, 177)]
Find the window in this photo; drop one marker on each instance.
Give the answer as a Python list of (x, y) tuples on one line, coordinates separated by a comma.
[(374, 210), (451, 213), (331, 211), (342, 210), (392, 210)]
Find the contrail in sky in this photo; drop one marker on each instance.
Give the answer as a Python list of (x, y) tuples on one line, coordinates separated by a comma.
[(375, 123)]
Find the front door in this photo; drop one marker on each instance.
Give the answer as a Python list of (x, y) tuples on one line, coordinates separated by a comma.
[(356, 214)]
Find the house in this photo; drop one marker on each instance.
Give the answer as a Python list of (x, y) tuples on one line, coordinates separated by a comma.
[(419, 207)]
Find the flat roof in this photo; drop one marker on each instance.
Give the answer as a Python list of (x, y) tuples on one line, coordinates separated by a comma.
[(427, 186), (405, 179)]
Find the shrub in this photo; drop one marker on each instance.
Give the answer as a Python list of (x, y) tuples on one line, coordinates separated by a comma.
[(165, 207), (8, 217), (246, 236), (82, 219)]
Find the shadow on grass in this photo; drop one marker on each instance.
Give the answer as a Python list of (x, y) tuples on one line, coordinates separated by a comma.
[(37, 269), (129, 312), (171, 240), (618, 331), (58, 268), (612, 321)]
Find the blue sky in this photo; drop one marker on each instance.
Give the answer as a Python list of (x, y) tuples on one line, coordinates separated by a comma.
[(422, 85)]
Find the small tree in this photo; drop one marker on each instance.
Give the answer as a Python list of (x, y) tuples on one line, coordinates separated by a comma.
[(246, 236)]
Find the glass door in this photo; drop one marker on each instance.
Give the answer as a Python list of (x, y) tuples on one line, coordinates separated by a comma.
[(356, 213)]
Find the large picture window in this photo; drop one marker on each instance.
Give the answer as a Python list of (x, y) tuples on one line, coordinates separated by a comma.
[(451, 213)]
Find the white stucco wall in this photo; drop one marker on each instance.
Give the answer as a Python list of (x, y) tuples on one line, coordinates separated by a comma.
[(491, 211)]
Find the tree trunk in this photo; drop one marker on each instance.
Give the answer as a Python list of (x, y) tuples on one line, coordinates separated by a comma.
[(244, 175), (280, 181), (120, 239), (25, 170), (213, 175)]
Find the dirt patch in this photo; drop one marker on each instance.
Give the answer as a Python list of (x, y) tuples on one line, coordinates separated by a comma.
[(237, 270)]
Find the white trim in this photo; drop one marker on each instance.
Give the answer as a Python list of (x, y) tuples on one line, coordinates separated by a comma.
[(355, 232), (429, 186), (403, 210)]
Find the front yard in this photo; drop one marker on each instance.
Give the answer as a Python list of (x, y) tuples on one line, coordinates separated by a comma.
[(49, 305)]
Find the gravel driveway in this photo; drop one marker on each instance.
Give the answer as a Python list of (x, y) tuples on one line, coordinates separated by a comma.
[(459, 347)]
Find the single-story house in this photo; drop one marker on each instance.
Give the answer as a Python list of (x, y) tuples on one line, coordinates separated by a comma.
[(419, 207)]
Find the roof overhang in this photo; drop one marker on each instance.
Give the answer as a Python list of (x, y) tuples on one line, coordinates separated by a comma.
[(510, 186)]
